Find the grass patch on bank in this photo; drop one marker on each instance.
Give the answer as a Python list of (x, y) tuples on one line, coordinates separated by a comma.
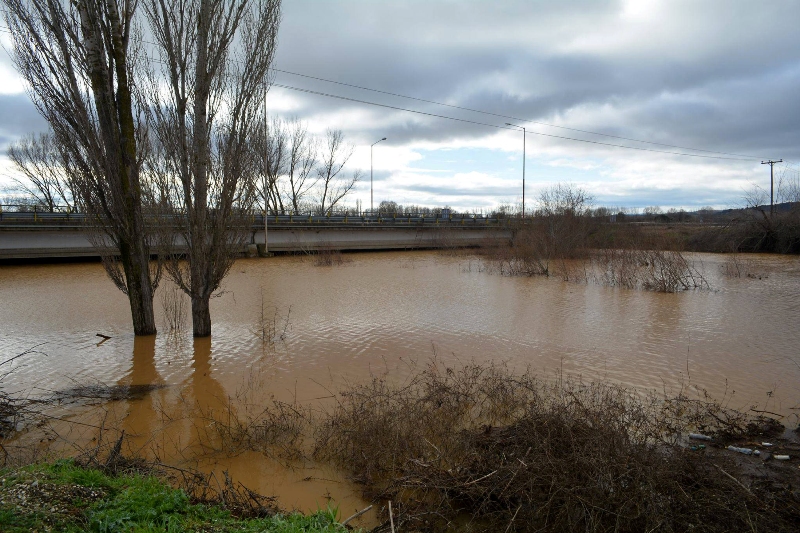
[(64, 496)]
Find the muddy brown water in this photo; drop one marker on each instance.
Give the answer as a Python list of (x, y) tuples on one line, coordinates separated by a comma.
[(377, 313)]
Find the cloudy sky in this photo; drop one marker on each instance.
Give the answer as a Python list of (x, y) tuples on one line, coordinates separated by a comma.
[(703, 77)]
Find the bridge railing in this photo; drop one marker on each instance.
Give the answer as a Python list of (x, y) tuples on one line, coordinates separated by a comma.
[(12, 214), (378, 219), (37, 213)]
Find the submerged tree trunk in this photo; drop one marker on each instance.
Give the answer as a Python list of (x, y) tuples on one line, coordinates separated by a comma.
[(136, 267), (201, 317)]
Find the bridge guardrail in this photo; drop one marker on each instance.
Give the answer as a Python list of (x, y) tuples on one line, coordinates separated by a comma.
[(40, 217)]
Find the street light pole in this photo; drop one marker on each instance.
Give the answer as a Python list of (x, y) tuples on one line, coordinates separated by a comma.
[(266, 175), (370, 173), (524, 146)]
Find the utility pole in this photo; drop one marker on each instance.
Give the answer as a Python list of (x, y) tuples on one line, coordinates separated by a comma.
[(771, 164)]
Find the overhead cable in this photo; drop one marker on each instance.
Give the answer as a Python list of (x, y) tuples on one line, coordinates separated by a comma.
[(347, 98), (506, 116)]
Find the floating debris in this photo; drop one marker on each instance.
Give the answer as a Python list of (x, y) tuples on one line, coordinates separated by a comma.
[(746, 451)]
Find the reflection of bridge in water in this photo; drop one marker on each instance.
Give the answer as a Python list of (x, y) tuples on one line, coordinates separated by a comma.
[(32, 235)]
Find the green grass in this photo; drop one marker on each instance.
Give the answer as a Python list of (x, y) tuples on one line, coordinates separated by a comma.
[(64, 497)]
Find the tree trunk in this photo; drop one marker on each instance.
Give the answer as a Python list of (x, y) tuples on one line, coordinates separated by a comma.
[(140, 290), (201, 316)]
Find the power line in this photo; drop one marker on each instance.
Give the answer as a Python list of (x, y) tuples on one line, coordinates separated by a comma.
[(737, 157), (349, 99), (506, 116)]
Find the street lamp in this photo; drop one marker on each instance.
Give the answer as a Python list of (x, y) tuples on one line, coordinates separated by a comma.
[(523, 164), (266, 176), (370, 173)]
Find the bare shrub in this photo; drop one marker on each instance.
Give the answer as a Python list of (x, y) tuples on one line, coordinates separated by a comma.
[(272, 326), (13, 409), (277, 429), (618, 268), (173, 303), (757, 227), (630, 267), (10, 414), (558, 232), (490, 451), (328, 257), (522, 258), (713, 417), (669, 271), (735, 266)]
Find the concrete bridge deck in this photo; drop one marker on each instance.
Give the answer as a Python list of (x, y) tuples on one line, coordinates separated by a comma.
[(30, 235)]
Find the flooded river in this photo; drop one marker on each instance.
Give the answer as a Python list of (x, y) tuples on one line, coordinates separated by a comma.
[(387, 312)]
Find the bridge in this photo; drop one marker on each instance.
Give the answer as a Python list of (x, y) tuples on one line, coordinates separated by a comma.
[(44, 235)]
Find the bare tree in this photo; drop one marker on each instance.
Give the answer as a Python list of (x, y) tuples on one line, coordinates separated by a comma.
[(564, 223), (333, 185), (216, 55), (46, 180), (78, 62), (564, 199), (302, 159), (275, 144), (789, 185)]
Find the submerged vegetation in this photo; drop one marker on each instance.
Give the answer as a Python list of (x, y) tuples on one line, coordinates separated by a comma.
[(567, 239), (534, 252), (485, 450)]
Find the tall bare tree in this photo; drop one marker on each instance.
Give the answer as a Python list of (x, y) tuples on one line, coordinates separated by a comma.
[(275, 144), (333, 185), (300, 164), (216, 56), (77, 59), (37, 157)]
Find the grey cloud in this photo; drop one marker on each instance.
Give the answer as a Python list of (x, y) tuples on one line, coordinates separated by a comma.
[(451, 190), (718, 74), (18, 116), (444, 50)]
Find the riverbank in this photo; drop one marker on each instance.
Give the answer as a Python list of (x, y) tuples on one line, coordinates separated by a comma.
[(64, 496), (475, 448)]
